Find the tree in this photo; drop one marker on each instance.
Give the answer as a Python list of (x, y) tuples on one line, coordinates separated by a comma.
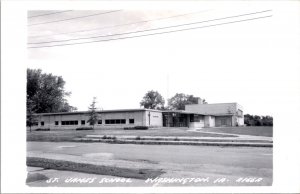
[(47, 93), (255, 120), (93, 115), (153, 100), (267, 120), (31, 118), (179, 101)]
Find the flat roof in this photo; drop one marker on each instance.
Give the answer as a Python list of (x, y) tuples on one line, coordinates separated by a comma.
[(132, 110), (99, 111), (182, 112), (212, 104)]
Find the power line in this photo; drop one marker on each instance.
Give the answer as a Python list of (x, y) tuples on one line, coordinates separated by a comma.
[(103, 36), (154, 33), (144, 21), (74, 18), (49, 13)]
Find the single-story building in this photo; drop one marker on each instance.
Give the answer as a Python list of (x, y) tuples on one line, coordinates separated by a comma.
[(194, 116), (219, 114)]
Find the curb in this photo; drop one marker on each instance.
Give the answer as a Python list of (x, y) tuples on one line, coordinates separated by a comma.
[(160, 138), (159, 142)]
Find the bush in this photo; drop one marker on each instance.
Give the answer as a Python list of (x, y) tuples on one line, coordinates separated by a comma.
[(136, 128), (128, 128), (138, 138), (43, 129), (141, 127), (83, 128), (109, 137)]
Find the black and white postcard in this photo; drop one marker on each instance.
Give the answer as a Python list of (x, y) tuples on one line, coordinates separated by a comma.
[(197, 96)]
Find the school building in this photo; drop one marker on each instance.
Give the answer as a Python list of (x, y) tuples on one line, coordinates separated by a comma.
[(194, 116)]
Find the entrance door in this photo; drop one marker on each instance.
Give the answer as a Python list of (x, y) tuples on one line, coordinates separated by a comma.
[(223, 122)]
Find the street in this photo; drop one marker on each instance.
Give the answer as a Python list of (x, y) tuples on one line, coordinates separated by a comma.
[(235, 164)]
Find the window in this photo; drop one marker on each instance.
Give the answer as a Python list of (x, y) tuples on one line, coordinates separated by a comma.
[(99, 122), (56, 122), (115, 121), (42, 123), (195, 118), (82, 122), (131, 121), (69, 123)]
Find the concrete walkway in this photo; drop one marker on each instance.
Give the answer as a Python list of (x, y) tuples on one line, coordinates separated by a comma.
[(239, 136), (238, 140)]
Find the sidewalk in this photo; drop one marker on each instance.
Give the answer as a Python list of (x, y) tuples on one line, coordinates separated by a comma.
[(239, 136), (239, 140)]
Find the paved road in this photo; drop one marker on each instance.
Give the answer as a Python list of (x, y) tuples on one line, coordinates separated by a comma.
[(232, 163)]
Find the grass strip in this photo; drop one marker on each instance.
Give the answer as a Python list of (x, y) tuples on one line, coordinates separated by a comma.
[(93, 168)]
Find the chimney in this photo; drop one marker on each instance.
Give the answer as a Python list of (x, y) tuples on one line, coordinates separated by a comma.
[(200, 101)]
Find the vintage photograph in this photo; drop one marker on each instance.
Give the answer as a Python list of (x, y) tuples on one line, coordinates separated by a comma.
[(150, 97)]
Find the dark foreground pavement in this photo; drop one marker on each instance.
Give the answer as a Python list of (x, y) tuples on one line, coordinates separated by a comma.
[(209, 165)]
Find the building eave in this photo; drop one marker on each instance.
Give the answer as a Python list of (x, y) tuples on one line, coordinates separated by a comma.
[(99, 112)]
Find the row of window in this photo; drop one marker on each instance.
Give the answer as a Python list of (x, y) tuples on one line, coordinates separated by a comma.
[(67, 123), (107, 121)]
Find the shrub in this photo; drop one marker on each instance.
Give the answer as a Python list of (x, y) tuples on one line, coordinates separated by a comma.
[(136, 128), (84, 128), (176, 139), (141, 127), (109, 137), (138, 138), (128, 128), (43, 129)]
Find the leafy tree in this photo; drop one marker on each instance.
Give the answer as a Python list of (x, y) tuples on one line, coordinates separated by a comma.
[(255, 120), (93, 115), (267, 121), (46, 92), (31, 118), (153, 100), (179, 101)]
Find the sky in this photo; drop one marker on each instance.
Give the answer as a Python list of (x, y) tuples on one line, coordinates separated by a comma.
[(218, 60)]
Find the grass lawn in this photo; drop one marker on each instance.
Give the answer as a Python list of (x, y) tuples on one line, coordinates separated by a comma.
[(256, 131), (68, 135)]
